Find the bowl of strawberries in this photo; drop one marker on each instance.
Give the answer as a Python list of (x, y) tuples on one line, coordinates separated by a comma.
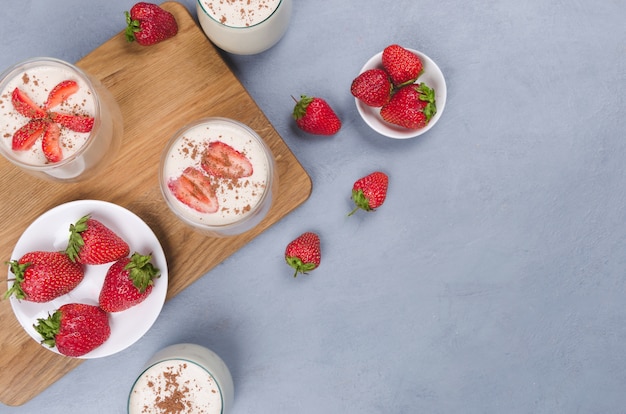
[(87, 279), (400, 92)]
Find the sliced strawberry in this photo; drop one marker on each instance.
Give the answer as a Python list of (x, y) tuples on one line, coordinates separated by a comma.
[(60, 93), (77, 123), (50, 143), (25, 106), (222, 160), (25, 137), (194, 189)]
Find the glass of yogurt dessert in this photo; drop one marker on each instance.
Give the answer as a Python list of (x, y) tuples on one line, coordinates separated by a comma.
[(183, 378), (56, 121), (218, 176), (244, 27)]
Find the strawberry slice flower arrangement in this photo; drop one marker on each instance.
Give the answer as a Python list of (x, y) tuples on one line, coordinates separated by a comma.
[(47, 124)]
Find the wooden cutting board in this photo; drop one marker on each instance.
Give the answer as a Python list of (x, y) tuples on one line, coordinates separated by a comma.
[(159, 89)]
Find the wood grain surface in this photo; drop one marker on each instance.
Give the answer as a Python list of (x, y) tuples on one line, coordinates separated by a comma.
[(159, 89)]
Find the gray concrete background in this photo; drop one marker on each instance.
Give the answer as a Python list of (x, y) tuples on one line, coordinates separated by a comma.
[(493, 278)]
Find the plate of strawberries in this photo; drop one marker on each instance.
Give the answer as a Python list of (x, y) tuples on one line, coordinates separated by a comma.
[(87, 279), (400, 92)]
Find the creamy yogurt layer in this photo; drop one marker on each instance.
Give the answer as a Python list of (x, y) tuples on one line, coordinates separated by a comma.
[(37, 82), (175, 386)]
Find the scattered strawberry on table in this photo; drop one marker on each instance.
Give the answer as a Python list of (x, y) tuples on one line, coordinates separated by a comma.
[(315, 116), (127, 283), (92, 243), (75, 329), (41, 276), (45, 123), (148, 24), (407, 103), (370, 192), (303, 254)]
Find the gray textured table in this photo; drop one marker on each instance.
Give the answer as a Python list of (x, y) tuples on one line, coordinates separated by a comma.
[(493, 280)]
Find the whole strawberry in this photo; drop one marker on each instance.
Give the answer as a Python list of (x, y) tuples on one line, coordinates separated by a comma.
[(41, 276), (412, 106), (315, 116), (128, 282), (373, 87), (93, 243), (75, 329), (402, 65), (369, 192), (303, 253), (148, 24)]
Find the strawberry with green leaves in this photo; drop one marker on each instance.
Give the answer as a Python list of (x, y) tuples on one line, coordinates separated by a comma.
[(373, 87), (303, 253), (412, 106), (41, 276), (148, 24), (93, 243), (370, 192), (75, 329), (402, 65), (128, 282), (315, 116)]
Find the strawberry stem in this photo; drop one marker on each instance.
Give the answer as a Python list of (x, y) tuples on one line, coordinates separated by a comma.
[(142, 271), (132, 27), (76, 241), (48, 328)]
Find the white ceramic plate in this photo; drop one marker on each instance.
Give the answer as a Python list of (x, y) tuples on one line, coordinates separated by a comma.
[(432, 76), (50, 231)]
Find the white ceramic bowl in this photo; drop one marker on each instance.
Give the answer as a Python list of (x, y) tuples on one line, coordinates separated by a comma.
[(432, 76), (187, 374)]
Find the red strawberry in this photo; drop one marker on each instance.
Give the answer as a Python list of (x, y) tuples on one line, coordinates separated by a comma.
[(25, 106), (91, 242), (369, 192), (222, 160), (60, 93), (373, 87), (315, 116), (25, 137), (128, 282), (77, 123), (50, 143), (402, 65), (412, 106), (303, 253), (194, 189), (75, 329), (41, 276), (147, 23)]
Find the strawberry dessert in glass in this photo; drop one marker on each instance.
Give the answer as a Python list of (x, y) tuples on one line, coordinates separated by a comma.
[(183, 378), (57, 122), (244, 27), (218, 176)]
